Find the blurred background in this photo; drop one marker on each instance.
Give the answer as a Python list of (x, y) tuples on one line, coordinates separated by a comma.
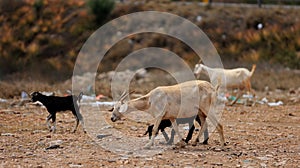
[(40, 39)]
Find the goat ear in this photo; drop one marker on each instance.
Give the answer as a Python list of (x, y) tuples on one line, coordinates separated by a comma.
[(123, 108), (34, 94)]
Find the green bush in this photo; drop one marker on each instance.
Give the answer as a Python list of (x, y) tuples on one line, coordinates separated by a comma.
[(101, 9)]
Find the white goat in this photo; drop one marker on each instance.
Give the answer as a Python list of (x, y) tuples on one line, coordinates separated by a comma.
[(164, 102), (238, 78)]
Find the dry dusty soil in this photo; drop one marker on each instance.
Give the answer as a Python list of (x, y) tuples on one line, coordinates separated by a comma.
[(260, 136)]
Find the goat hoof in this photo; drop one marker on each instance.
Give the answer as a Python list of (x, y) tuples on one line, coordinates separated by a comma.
[(52, 129), (205, 142), (194, 143), (181, 144), (169, 143), (147, 146)]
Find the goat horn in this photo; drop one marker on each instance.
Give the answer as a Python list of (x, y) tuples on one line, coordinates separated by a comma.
[(122, 98), (124, 95)]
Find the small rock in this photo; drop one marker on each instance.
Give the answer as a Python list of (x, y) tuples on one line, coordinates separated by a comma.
[(7, 134), (100, 136), (133, 128), (129, 153), (264, 158), (54, 144), (53, 147), (111, 160), (217, 164), (217, 149), (148, 159), (282, 163), (107, 127), (263, 165), (75, 165), (40, 143)]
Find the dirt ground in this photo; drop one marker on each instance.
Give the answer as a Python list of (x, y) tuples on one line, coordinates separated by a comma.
[(260, 136)]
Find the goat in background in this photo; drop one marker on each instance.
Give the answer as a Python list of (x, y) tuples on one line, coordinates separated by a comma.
[(238, 78)]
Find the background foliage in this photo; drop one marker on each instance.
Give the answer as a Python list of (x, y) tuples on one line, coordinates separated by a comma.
[(40, 39)]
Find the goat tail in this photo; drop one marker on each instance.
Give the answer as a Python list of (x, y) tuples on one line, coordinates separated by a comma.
[(253, 69)]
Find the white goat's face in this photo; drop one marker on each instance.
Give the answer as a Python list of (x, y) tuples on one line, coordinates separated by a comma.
[(197, 69), (119, 109)]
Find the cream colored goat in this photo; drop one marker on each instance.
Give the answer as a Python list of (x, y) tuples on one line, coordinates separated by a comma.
[(164, 102), (238, 78)]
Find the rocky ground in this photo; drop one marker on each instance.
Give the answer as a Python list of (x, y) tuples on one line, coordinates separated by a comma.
[(260, 136)]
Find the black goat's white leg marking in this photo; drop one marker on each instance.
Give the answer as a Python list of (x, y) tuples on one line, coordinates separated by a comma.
[(53, 128), (48, 121)]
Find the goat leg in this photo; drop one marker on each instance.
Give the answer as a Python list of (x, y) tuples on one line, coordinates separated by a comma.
[(171, 140), (203, 127), (254, 98), (76, 125), (53, 128), (181, 143), (48, 121), (166, 136), (190, 134), (205, 142), (219, 127), (237, 98), (154, 132)]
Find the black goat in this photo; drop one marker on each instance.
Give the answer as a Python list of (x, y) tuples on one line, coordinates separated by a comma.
[(55, 104), (167, 123)]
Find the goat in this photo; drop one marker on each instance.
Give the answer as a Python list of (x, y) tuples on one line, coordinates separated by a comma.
[(164, 102), (55, 104), (234, 78), (167, 123)]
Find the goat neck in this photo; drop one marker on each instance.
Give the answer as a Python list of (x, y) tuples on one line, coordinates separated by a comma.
[(140, 103)]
